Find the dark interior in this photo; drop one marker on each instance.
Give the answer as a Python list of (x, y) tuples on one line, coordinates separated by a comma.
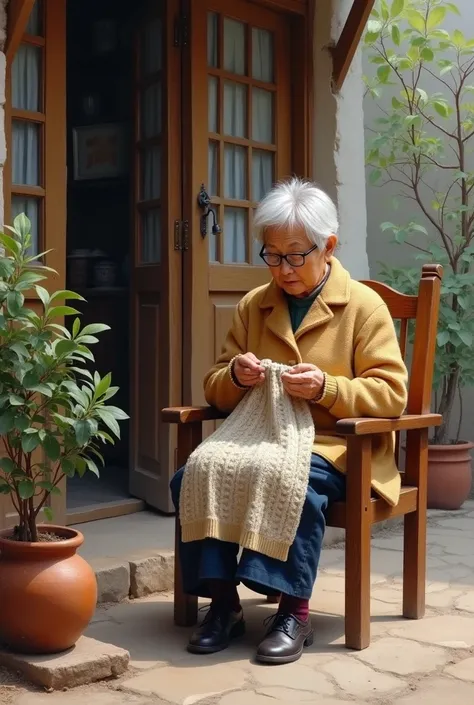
[(99, 206)]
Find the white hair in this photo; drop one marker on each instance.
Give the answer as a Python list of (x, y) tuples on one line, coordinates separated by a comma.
[(297, 202)]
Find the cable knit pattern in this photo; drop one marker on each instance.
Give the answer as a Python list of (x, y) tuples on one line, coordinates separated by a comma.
[(247, 482)]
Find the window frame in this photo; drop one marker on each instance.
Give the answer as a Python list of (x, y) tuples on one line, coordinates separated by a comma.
[(52, 143)]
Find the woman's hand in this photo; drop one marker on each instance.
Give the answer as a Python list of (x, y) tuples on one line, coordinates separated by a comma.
[(248, 370), (304, 381)]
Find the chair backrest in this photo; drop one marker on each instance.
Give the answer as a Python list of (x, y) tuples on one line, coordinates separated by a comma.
[(423, 309)]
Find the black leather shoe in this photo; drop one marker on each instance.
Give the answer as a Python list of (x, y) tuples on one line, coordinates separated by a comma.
[(285, 639), (217, 630)]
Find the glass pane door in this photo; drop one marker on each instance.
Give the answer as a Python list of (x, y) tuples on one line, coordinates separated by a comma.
[(241, 88)]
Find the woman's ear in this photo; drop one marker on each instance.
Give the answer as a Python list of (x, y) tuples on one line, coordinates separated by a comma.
[(331, 245)]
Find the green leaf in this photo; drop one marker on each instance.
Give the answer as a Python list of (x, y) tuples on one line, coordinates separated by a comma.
[(42, 389), (10, 243), (6, 422), (76, 327), (82, 431), (15, 302), (103, 385), (49, 487), (459, 39), (66, 294), (435, 17), (383, 72), (51, 447), (43, 295), (427, 54), (447, 67), (7, 267), (416, 20), (7, 465), (117, 413), (397, 7), (63, 347), (27, 279), (92, 466), (68, 467), (31, 379), (443, 337), (26, 489), (16, 400), (48, 512), (374, 176), (106, 437), (419, 228), (94, 328), (441, 108), (29, 441), (22, 224), (5, 488), (466, 337), (81, 466), (60, 311), (109, 421), (395, 35)]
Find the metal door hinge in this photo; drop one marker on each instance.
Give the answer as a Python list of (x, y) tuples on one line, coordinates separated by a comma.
[(181, 31), (181, 235)]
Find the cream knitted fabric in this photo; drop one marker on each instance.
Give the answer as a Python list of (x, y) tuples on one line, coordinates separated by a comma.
[(247, 482)]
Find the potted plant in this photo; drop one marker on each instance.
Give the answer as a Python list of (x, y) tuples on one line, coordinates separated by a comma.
[(422, 146), (54, 417)]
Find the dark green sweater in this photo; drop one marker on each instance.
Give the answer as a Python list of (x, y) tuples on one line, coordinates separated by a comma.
[(299, 307)]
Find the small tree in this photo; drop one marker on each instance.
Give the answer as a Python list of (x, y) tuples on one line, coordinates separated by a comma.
[(51, 425), (423, 145)]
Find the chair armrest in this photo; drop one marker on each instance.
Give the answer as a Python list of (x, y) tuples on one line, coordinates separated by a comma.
[(368, 426), (191, 414)]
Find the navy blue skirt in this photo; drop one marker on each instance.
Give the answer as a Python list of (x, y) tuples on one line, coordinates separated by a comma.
[(213, 559)]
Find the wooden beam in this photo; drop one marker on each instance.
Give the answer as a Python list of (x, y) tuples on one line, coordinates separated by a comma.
[(343, 52), (18, 14)]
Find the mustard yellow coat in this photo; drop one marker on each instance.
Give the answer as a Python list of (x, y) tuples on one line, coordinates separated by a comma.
[(349, 334)]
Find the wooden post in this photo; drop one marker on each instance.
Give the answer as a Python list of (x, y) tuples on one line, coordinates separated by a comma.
[(344, 51)]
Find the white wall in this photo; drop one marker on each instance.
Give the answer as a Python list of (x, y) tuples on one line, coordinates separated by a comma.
[(380, 208), (338, 143)]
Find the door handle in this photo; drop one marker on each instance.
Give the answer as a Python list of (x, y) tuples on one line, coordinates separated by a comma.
[(204, 203)]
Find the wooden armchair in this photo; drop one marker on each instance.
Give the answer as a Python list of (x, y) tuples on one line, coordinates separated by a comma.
[(360, 510)]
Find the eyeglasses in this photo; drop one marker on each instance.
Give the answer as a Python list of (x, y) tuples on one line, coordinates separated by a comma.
[(294, 259)]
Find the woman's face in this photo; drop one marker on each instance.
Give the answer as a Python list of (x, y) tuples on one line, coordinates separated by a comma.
[(297, 281)]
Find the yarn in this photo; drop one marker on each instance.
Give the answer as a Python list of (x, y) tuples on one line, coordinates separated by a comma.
[(247, 482)]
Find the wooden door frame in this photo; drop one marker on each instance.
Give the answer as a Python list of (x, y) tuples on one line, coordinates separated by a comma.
[(52, 217), (300, 16)]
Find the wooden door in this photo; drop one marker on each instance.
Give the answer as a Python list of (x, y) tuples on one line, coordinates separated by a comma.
[(156, 255), (239, 142)]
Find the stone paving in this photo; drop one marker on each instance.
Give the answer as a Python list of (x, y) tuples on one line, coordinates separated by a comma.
[(426, 662)]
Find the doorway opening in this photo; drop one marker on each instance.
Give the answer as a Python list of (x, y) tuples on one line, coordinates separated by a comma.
[(100, 113)]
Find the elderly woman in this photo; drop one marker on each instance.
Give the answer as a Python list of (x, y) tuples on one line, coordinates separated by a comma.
[(338, 339)]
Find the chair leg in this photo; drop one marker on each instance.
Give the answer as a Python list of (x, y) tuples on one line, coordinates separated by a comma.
[(185, 606), (273, 599), (414, 539), (357, 588)]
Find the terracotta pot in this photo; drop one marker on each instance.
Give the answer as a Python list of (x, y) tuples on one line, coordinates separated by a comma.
[(449, 475), (48, 593)]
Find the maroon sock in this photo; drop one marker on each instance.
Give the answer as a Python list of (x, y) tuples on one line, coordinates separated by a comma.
[(295, 606), (224, 593)]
